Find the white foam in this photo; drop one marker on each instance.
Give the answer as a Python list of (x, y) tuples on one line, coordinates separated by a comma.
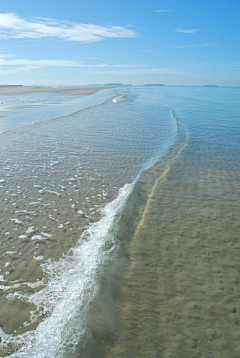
[(17, 221), (119, 98), (30, 229), (46, 234), (22, 236), (38, 258), (70, 290), (40, 237)]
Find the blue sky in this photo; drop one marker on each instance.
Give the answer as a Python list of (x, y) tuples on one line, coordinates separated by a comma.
[(79, 42)]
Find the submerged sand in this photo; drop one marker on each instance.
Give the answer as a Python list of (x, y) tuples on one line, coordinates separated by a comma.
[(179, 294)]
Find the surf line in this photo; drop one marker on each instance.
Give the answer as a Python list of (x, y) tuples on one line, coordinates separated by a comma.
[(137, 282), (182, 142)]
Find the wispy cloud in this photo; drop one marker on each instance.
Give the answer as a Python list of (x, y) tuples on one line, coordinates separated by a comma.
[(13, 26), (9, 65), (192, 31), (13, 66), (4, 61), (162, 10), (6, 55), (236, 63), (13, 71), (39, 63), (189, 46)]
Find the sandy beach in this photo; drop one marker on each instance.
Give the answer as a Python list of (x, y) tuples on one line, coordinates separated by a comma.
[(23, 105), (80, 90)]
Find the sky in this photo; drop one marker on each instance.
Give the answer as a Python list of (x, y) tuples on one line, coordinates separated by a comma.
[(82, 42)]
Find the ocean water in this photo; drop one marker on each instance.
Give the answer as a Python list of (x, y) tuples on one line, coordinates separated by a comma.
[(119, 228)]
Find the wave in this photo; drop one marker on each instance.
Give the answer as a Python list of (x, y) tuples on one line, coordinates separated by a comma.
[(71, 288), (120, 97)]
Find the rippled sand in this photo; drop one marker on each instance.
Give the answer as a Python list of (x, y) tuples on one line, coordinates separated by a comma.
[(181, 290), (179, 295)]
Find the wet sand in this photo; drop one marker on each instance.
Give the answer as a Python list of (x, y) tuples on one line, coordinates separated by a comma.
[(23, 105), (80, 90)]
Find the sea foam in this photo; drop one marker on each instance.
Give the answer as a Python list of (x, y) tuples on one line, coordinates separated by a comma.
[(120, 97), (70, 290)]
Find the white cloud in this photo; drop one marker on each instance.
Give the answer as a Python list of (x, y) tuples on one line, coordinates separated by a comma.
[(3, 55), (41, 63), (192, 31), (13, 26), (13, 66), (236, 63), (162, 10), (19, 65), (4, 61), (16, 70)]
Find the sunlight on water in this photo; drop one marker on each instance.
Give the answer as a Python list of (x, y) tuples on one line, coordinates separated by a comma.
[(160, 279)]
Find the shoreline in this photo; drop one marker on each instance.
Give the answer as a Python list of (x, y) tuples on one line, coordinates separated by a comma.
[(22, 105), (79, 90)]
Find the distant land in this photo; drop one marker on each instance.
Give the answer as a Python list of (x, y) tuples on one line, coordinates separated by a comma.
[(113, 84), (11, 85), (118, 84), (154, 84)]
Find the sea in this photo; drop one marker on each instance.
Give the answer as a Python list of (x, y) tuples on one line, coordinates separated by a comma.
[(120, 223)]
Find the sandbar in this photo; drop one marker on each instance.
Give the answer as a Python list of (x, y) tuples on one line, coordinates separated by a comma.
[(79, 90)]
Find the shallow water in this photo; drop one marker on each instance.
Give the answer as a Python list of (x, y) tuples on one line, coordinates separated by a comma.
[(179, 293), (18, 110), (56, 178), (154, 272)]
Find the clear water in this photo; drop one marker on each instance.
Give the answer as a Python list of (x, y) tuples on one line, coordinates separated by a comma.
[(120, 228)]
